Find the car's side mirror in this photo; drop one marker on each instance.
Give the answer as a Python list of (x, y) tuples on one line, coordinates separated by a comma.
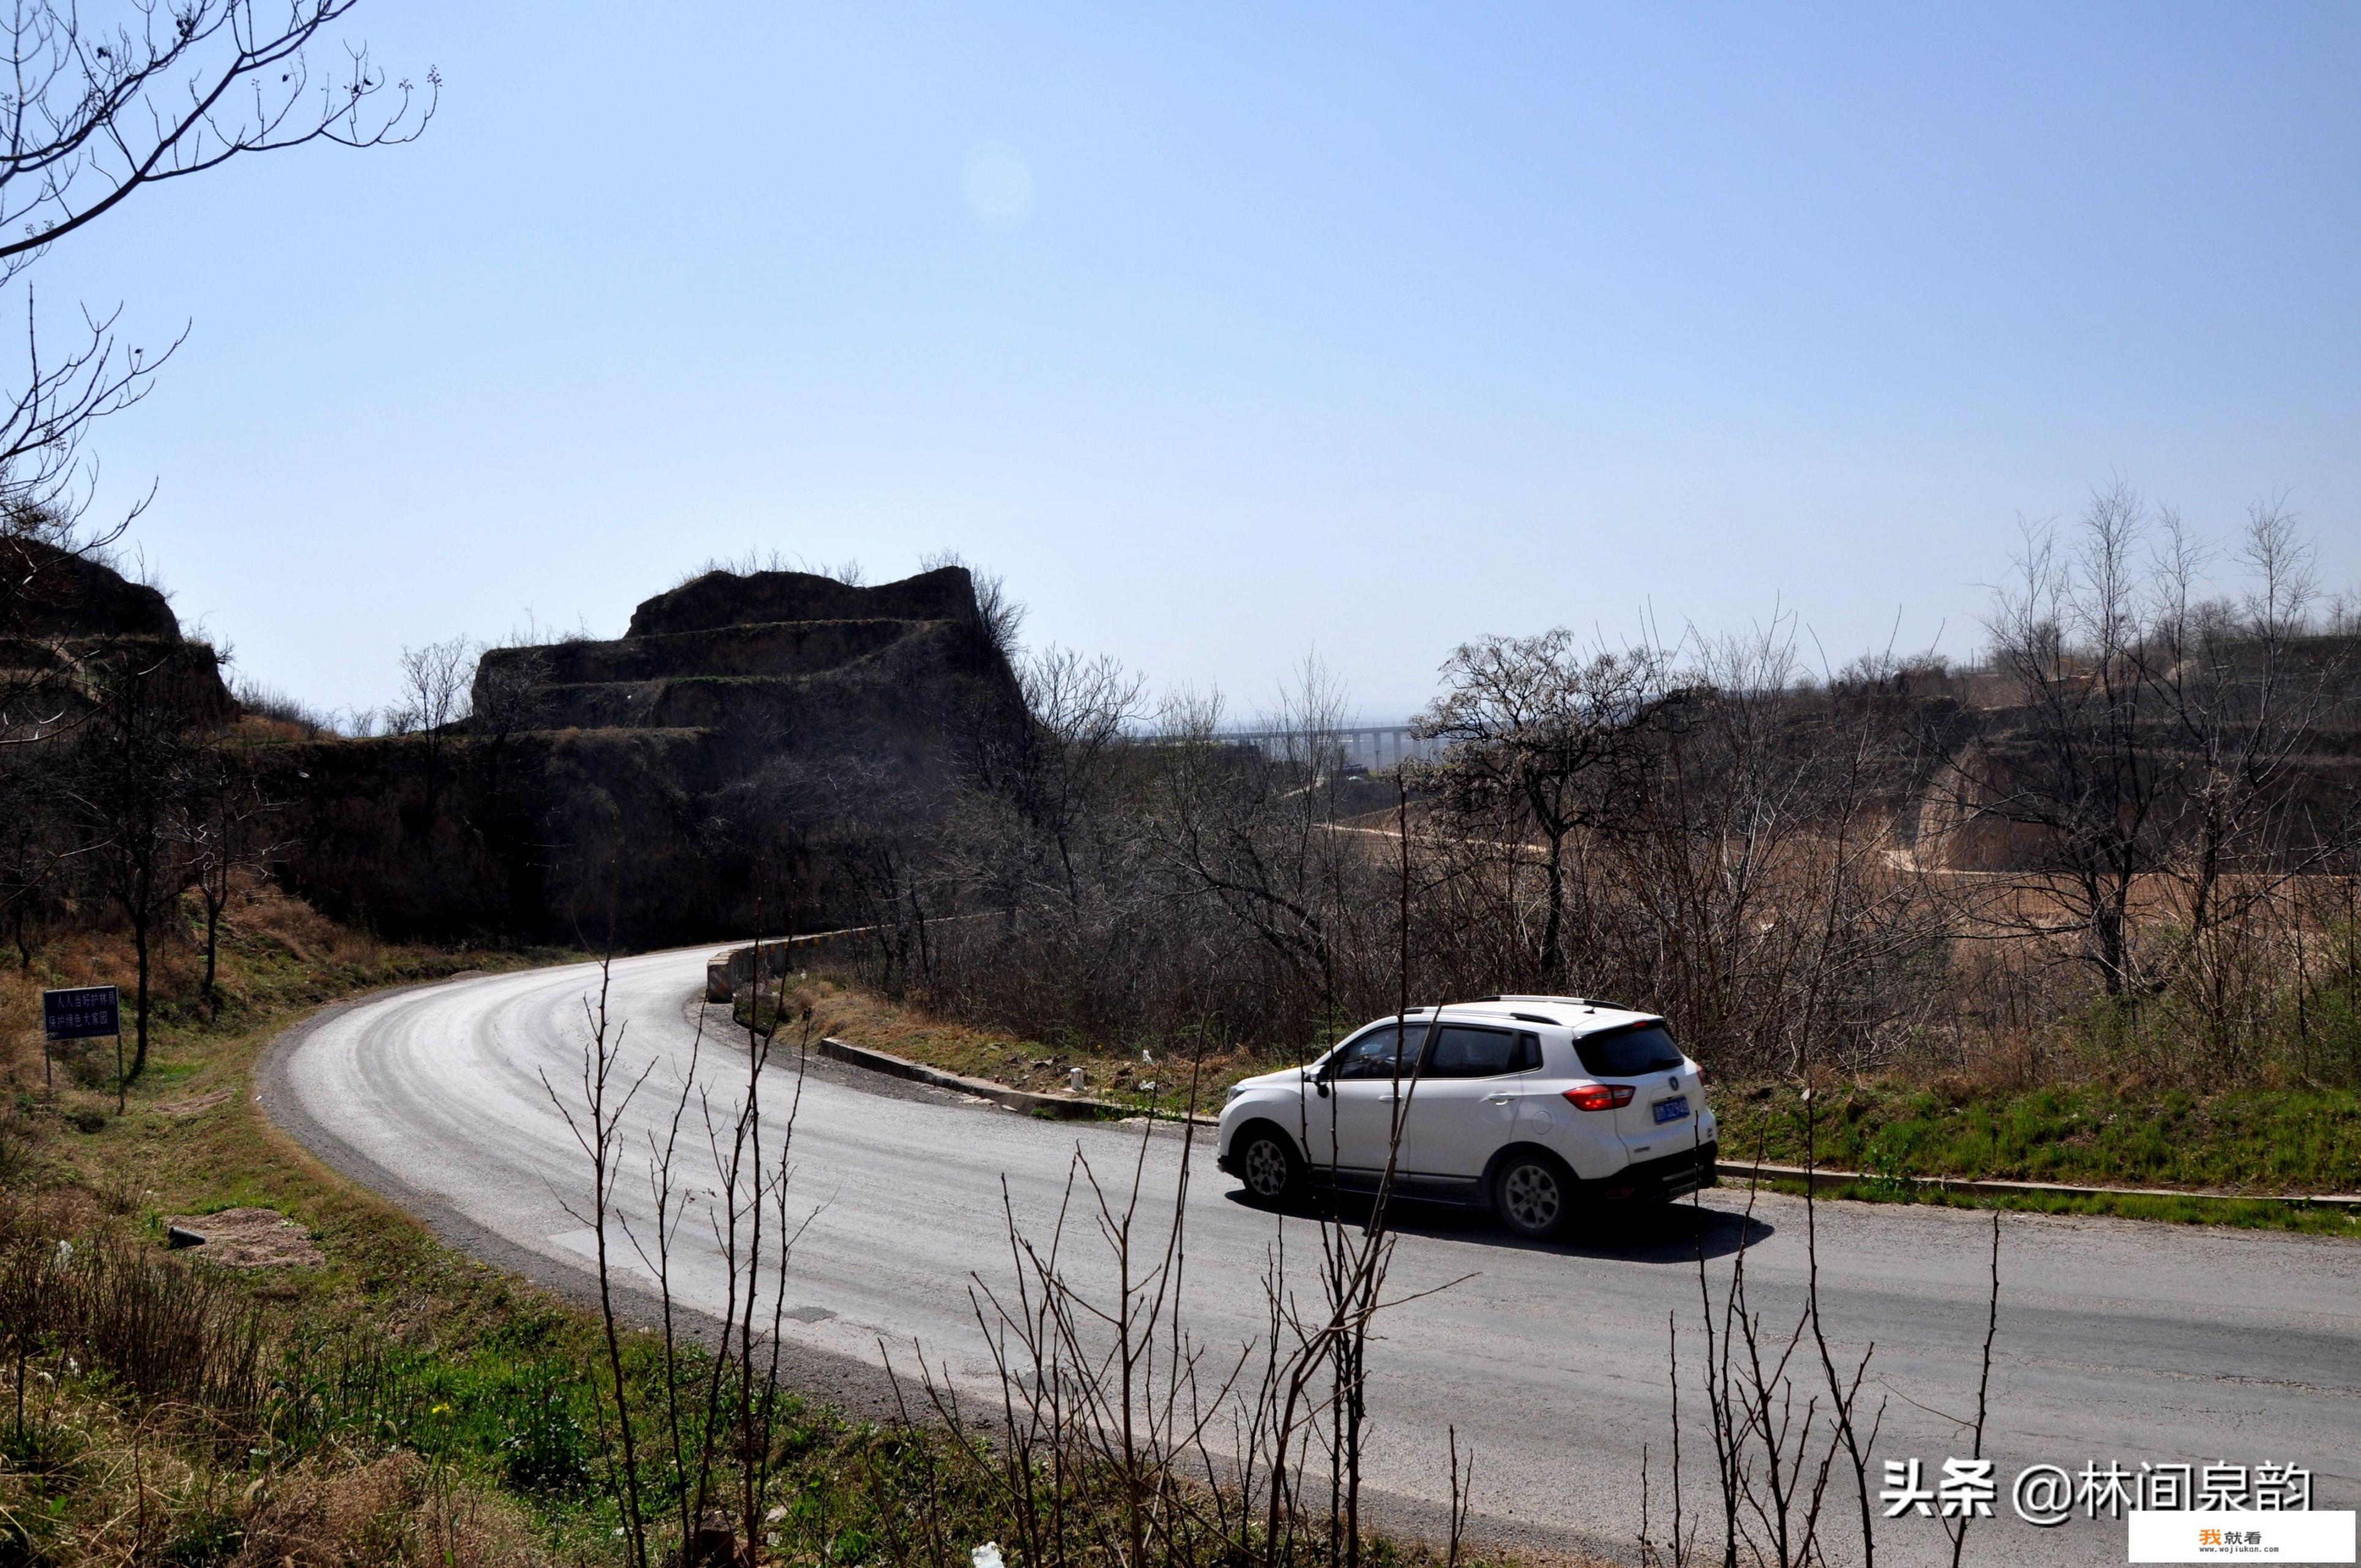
[(1320, 1085)]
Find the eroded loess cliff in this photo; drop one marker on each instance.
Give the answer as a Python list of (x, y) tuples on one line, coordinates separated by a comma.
[(72, 629), (663, 785)]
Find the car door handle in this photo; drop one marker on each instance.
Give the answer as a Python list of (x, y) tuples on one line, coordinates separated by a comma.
[(1498, 1098)]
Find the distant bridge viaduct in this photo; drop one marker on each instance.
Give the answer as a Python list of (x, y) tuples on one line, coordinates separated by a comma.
[(1376, 745)]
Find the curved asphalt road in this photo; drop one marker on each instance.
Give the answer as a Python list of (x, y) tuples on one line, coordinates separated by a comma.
[(2119, 1341)]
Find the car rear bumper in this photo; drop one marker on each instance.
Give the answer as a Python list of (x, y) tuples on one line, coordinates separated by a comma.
[(1660, 1180)]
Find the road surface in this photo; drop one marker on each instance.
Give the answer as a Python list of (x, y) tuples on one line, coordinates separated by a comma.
[(2119, 1342)]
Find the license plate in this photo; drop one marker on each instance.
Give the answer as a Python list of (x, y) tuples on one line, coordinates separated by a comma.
[(1673, 1110)]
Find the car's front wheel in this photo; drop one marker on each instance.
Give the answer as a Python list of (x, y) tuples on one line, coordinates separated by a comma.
[(1533, 1195), (1270, 1167)]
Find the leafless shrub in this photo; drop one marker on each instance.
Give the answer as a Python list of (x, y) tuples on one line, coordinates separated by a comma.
[(1786, 1416), (999, 615), (269, 702), (1109, 1433), (715, 1431), (849, 572)]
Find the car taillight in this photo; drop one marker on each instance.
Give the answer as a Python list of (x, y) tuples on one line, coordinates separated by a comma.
[(1599, 1096)]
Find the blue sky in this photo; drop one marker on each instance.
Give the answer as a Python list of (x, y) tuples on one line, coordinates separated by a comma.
[(1229, 334)]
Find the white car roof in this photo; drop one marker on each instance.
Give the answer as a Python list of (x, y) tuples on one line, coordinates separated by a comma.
[(1576, 1013)]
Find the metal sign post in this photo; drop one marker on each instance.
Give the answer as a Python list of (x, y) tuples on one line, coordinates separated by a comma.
[(82, 1012)]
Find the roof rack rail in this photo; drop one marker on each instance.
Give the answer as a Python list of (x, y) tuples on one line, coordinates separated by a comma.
[(1594, 1003)]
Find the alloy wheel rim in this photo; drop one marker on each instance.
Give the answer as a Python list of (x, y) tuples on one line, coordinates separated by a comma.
[(1266, 1167), (1533, 1196)]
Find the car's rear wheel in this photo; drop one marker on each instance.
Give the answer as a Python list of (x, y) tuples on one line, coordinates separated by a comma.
[(1270, 1165), (1533, 1195)]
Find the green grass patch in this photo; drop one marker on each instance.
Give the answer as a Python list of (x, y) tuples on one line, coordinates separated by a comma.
[(2261, 1141), (2246, 1213)]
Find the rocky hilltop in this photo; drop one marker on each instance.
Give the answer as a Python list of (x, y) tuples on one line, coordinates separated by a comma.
[(788, 650), (720, 600), (660, 785), (72, 628)]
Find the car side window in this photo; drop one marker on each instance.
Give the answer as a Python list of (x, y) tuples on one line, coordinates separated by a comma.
[(1372, 1055), (1461, 1051)]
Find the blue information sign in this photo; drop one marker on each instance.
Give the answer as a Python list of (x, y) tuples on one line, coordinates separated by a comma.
[(84, 1013)]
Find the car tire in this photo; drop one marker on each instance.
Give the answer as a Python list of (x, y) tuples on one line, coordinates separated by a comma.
[(1268, 1165), (1533, 1195)]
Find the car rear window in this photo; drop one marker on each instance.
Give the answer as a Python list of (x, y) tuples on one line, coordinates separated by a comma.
[(1628, 1051)]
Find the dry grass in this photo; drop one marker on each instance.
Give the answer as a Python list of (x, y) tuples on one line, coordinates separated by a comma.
[(1113, 1071), (397, 1510)]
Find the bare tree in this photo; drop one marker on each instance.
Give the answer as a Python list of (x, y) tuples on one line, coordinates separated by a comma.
[(99, 108), (225, 820), (122, 790), (436, 699), (1535, 729), (1246, 826), (1081, 709), (97, 112), (435, 687)]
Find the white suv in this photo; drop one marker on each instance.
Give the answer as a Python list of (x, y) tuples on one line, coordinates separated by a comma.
[(1536, 1106)]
